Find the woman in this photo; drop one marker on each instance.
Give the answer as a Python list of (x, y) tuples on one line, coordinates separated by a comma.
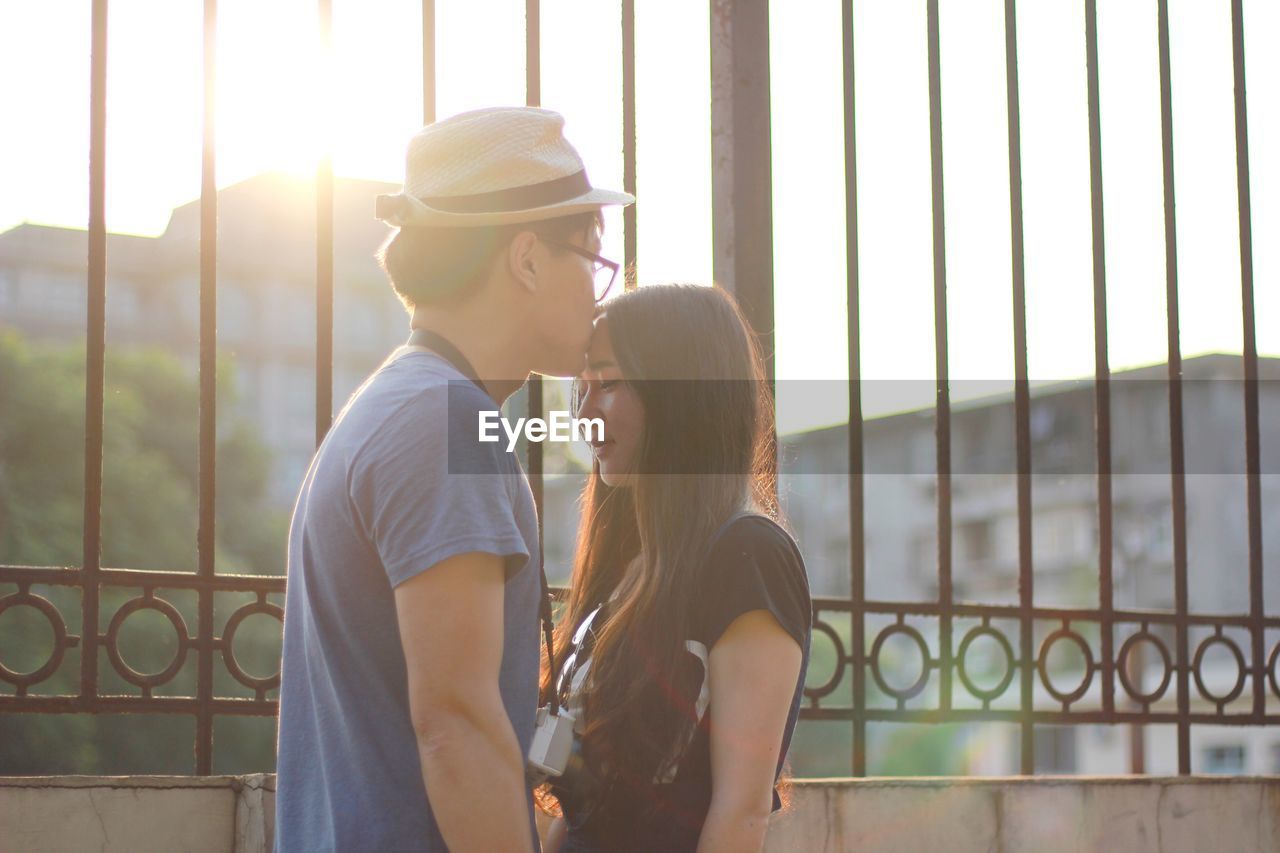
[(683, 650)]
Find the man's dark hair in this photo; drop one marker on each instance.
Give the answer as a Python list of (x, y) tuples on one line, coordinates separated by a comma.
[(431, 265)]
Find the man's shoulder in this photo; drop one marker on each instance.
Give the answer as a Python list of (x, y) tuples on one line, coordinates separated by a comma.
[(418, 391), (420, 414)]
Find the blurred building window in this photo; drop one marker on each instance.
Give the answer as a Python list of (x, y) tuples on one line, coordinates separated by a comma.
[(63, 295), (8, 289), (123, 305), (1055, 749), (235, 314), (1223, 758)]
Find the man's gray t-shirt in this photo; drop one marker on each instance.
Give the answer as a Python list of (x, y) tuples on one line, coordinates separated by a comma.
[(382, 502)]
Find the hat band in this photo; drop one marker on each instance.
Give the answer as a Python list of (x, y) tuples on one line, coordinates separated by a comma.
[(515, 198)]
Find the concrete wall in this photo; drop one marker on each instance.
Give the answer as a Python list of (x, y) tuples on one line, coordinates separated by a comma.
[(137, 814), (235, 814), (1046, 815)]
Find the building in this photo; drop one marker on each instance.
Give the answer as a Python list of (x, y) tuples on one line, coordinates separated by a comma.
[(901, 508), (901, 543), (266, 298)]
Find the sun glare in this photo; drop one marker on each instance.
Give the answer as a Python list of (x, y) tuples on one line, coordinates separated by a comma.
[(283, 103)]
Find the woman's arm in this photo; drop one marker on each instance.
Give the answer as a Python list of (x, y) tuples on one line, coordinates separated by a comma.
[(557, 831), (753, 671)]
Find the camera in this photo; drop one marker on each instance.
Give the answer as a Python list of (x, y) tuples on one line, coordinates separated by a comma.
[(555, 756), (553, 738)]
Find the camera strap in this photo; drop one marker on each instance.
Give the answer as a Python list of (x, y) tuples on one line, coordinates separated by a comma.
[(444, 348)]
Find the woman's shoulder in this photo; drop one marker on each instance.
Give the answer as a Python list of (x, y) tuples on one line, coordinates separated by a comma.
[(757, 545), (755, 534), (754, 564)]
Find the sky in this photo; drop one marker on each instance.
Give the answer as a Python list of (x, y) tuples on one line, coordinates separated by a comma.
[(275, 112)]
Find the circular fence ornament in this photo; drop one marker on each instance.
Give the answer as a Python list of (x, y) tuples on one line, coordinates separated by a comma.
[(147, 681), (1271, 669), (1122, 666), (1065, 634), (837, 673), (986, 695), (1238, 688), (901, 694), (260, 685), (61, 642)]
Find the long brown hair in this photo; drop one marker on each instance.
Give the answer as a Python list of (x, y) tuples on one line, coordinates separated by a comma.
[(707, 452)]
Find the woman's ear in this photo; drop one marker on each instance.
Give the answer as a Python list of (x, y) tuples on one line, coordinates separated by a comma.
[(522, 260)]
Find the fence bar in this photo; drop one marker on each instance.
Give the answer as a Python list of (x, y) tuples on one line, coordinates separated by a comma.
[(1022, 395), (929, 716), (208, 391), (150, 578), (1101, 359), (631, 278), (95, 351), (324, 242), (532, 53), (942, 428), (1021, 389), (137, 705), (1252, 449), (857, 551), (1177, 455), (1045, 614), (741, 163), (428, 61), (533, 98)]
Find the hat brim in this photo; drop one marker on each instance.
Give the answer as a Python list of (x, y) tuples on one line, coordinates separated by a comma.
[(412, 211)]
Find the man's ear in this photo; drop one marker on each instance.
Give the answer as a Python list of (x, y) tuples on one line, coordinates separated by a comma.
[(522, 258)]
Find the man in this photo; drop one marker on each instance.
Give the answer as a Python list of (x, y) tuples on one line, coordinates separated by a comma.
[(410, 667)]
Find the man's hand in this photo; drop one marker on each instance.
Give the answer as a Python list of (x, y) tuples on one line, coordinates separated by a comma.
[(451, 626)]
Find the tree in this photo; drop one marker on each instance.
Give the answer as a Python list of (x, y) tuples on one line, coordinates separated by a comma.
[(149, 521)]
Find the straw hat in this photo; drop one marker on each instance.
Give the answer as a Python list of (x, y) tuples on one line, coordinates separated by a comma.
[(494, 166)]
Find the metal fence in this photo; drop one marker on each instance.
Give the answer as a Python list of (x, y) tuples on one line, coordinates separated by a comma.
[(1106, 637)]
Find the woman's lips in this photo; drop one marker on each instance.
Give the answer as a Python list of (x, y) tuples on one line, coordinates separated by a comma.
[(600, 447)]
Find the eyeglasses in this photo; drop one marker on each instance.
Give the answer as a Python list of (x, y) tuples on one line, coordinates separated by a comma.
[(603, 271)]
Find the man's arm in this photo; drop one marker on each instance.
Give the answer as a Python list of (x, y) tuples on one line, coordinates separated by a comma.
[(451, 626)]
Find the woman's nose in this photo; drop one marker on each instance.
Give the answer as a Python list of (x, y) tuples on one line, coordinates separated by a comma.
[(588, 405)]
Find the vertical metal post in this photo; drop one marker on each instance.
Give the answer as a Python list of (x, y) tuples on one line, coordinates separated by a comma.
[(631, 278), (533, 53), (1101, 359), (942, 389), (1136, 665), (1252, 451), (206, 538), (95, 353), (1177, 456), (857, 551), (324, 242), (1021, 387), (741, 166), (533, 98), (428, 61)]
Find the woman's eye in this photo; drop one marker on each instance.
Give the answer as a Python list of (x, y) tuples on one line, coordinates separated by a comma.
[(606, 384)]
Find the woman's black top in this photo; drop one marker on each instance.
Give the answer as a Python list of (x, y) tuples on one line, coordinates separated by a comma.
[(752, 565)]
